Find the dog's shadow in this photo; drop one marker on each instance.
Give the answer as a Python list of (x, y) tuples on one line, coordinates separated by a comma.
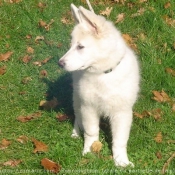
[(62, 90)]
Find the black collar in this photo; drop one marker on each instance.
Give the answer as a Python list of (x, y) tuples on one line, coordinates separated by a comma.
[(110, 70)]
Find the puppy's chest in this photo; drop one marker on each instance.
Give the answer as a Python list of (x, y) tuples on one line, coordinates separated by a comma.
[(94, 89)]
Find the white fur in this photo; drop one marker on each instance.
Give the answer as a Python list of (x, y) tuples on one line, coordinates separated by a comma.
[(95, 92)]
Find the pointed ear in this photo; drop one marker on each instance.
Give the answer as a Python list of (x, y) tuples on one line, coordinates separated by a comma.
[(89, 19), (75, 13)]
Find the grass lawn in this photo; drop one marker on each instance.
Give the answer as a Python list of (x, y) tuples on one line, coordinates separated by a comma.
[(39, 29)]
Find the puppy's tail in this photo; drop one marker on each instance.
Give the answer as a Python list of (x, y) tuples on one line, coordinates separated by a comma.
[(90, 7)]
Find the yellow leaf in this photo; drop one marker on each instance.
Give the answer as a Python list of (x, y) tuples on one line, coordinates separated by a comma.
[(96, 147), (106, 12), (158, 137), (120, 17)]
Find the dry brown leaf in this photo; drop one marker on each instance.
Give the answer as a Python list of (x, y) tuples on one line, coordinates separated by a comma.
[(106, 12), (170, 71), (30, 50), (158, 137), (39, 38), (12, 1), (43, 73), (167, 5), (129, 40), (28, 36), (61, 117), (2, 70), (47, 105), (96, 147), (39, 146), (138, 13), (22, 139), (5, 56), (26, 80), (161, 96), (50, 165), (24, 119), (169, 21), (37, 63), (156, 113), (4, 144), (26, 59), (173, 107), (65, 20), (46, 60), (120, 17), (42, 5), (171, 141), (159, 155), (12, 163)]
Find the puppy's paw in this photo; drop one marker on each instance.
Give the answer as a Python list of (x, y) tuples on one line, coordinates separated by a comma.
[(86, 150), (75, 135), (119, 161)]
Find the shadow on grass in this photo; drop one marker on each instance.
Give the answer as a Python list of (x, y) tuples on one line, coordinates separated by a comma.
[(62, 90)]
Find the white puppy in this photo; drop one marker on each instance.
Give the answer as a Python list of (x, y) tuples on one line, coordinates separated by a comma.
[(105, 81)]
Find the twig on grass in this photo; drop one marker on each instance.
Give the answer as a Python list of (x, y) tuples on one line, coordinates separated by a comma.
[(167, 163)]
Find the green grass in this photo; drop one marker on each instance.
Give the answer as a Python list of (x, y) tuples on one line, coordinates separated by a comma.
[(21, 19)]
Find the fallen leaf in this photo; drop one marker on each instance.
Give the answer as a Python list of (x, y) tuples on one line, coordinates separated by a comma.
[(2, 70), (26, 80), (37, 63), (159, 155), (46, 60), (22, 139), (50, 165), (120, 17), (129, 40), (24, 119), (5, 56), (138, 13), (61, 117), (158, 138), (12, 163), (26, 59), (12, 1), (167, 5), (173, 107), (96, 147), (30, 50), (170, 71), (169, 21), (161, 96), (106, 12), (42, 5), (44, 25), (4, 144), (39, 146), (47, 105), (65, 20), (43, 73), (39, 38), (28, 36)]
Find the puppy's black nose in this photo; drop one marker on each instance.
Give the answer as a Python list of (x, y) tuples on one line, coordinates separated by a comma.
[(61, 63)]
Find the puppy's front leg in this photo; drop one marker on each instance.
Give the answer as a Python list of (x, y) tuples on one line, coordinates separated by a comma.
[(121, 124), (90, 121)]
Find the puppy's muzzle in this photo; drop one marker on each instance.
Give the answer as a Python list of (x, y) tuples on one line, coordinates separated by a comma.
[(61, 63)]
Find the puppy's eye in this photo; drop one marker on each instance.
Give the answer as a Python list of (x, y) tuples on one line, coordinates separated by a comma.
[(80, 47)]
